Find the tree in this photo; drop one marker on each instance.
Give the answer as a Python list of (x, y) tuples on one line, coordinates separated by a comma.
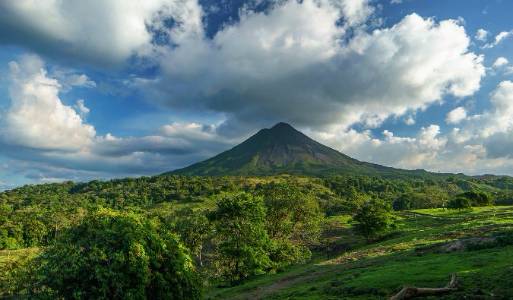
[(242, 241), (459, 202), (478, 198), (373, 219), (116, 255), (193, 228), (293, 222), (403, 202)]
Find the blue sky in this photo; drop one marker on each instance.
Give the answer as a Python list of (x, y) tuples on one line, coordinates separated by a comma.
[(104, 89)]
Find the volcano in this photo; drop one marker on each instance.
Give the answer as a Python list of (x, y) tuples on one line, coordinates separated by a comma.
[(284, 150)]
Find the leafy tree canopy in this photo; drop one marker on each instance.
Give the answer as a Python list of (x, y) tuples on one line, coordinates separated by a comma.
[(116, 255)]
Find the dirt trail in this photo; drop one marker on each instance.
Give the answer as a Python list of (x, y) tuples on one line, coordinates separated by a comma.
[(263, 291)]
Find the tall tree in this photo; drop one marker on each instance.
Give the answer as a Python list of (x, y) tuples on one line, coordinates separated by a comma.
[(242, 240)]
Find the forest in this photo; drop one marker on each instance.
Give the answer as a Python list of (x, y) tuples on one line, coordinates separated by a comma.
[(181, 237)]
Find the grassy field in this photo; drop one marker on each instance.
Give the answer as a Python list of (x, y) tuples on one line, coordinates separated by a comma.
[(424, 251)]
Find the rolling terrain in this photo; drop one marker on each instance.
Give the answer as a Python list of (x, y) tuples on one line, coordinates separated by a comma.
[(428, 246)]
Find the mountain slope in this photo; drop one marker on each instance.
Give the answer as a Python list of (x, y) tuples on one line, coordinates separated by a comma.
[(283, 149)]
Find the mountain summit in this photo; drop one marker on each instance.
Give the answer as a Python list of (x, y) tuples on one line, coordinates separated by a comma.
[(283, 149)]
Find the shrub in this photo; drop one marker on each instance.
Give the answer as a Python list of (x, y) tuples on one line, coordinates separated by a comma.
[(373, 219), (459, 202), (114, 255), (478, 198)]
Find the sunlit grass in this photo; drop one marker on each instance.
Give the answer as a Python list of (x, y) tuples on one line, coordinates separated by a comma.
[(377, 270)]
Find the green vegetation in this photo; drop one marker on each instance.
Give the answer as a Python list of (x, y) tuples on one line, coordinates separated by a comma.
[(240, 236), (373, 219), (285, 150), (424, 251), (113, 255), (233, 236)]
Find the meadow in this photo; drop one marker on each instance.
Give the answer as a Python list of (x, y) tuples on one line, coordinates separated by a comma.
[(416, 254)]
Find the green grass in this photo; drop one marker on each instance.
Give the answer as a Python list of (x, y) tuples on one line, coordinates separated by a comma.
[(407, 257)]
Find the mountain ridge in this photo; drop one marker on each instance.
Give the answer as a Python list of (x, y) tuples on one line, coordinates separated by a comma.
[(282, 149)]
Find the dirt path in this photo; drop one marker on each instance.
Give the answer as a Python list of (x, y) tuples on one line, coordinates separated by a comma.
[(267, 290)]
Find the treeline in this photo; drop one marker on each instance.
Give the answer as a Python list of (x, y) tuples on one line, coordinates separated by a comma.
[(34, 215)]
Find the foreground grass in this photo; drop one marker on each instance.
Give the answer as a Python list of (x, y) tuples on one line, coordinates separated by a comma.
[(411, 256)]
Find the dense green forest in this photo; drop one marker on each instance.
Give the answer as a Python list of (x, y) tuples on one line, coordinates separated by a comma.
[(213, 231)]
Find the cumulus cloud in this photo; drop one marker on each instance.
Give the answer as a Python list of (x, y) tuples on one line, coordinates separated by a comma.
[(483, 144), (297, 63), (456, 115), (81, 108), (499, 38), (323, 65), (481, 35), (499, 118), (424, 150), (39, 128), (98, 31), (500, 62), (410, 120), (37, 118)]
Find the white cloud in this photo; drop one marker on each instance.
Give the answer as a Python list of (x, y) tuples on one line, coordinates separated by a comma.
[(499, 118), (483, 144), (37, 118), (355, 12), (49, 140), (100, 31), (421, 151), (78, 80), (81, 108), (456, 115), (502, 36), (295, 64), (499, 38), (500, 62), (409, 120), (481, 35)]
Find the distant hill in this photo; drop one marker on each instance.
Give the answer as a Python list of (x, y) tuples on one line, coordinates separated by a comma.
[(283, 149)]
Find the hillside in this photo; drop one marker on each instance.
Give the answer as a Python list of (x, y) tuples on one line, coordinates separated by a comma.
[(428, 246), (283, 149), (320, 254)]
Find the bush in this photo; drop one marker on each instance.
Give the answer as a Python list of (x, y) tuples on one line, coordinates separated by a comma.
[(478, 198), (373, 219), (114, 255), (459, 202)]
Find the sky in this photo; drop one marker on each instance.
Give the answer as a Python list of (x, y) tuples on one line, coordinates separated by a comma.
[(111, 88)]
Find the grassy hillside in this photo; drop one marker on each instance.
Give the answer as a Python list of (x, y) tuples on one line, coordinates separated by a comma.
[(415, 255)]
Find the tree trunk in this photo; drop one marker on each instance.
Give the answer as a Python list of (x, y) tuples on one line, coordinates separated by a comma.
[(412, 292)]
